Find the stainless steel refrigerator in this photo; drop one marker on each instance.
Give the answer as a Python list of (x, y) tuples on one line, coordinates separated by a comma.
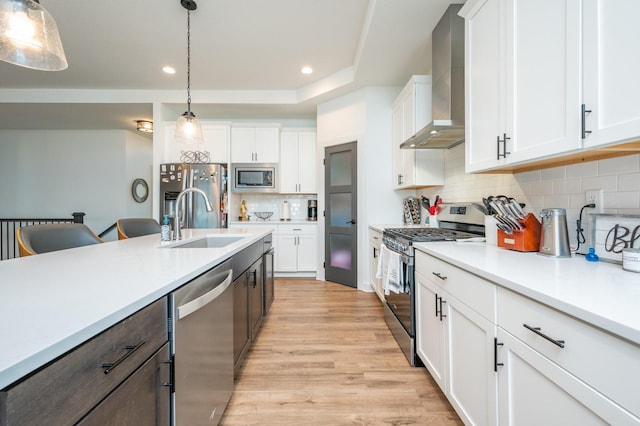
[(209, 177)]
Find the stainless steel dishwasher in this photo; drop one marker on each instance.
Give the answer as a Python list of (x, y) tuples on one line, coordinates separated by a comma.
[(201, 333)]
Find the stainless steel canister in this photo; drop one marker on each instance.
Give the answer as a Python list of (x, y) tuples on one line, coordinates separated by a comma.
[(554, 236)]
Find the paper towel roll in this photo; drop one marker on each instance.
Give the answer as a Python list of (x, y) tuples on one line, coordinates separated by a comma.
[(285, 211)]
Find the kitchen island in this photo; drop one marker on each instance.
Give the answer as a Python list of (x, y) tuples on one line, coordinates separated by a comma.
[(53, 302)]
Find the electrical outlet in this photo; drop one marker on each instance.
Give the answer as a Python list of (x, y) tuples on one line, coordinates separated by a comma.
[(595, 196)]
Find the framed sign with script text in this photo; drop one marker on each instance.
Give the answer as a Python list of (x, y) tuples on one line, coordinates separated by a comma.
[(612, 233)]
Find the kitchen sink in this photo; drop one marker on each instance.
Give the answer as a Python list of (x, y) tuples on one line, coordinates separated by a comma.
[(210, 241)]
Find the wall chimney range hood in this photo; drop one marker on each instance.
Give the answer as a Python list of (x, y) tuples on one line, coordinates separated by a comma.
[(447, 97)]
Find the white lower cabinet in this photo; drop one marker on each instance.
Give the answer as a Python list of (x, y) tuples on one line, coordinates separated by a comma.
[(455, 342), (536, 391), (296, 248), (502, 358), (375, 239)]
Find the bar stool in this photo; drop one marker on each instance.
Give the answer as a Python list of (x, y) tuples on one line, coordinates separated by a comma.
[(37, 239), (136, 227)]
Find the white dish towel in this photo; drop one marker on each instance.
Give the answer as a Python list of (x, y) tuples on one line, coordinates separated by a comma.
[(389, 270)]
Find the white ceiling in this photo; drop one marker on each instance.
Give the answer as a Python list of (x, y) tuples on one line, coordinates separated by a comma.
[(246, 57)]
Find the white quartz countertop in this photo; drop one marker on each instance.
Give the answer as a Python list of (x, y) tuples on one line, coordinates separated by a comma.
[(599, 293), (52, 302)]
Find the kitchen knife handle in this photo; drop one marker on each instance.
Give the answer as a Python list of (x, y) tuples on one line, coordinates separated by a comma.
[(536, 330)]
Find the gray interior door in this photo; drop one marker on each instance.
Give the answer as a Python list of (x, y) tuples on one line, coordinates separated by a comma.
[(341, 201)]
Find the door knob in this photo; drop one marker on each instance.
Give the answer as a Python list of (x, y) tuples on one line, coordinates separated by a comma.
[(353, 222)]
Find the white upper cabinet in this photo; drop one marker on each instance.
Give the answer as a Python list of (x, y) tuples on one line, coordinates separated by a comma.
[(522, 86), (216, 143), (298, 161), (611, 69), (412, 111), (255, 144)]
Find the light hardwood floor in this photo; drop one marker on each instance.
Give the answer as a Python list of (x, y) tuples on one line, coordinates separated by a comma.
[(325, 356)]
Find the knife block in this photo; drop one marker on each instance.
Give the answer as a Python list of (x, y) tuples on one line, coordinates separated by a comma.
[(526, 240)]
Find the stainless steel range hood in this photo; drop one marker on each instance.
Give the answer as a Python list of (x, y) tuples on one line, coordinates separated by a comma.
[(447, 128)]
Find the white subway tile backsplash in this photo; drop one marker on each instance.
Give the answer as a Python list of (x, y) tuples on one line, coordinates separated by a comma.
[(582, 170), (622, 200), (553, 173), (562, 187), (629, 182), (567, 186), (556, 201), (532, 176), (614, 166), (541, 188), (606, 183), (576, 201)]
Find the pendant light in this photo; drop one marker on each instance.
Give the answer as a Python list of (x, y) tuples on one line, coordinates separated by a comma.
[(29, 36), (188, 129)]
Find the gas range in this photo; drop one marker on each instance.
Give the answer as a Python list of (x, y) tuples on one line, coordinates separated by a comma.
[(455, 222)]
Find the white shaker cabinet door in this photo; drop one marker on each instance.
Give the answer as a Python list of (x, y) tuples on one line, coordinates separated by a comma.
[(289, 162), (242, 145), (534, 391), (307, 162), (430, 329), (543, 95), (287, 258), (611, 70), (471, 379), (307, 253), (485, 89), (267, 145)]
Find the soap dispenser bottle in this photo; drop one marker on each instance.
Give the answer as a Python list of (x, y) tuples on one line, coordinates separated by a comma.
[(165, 229)]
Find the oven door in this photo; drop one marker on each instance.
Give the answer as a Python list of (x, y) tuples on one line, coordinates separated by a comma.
[(402, 303)]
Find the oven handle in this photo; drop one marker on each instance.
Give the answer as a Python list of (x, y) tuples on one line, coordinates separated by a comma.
[(408, 260)]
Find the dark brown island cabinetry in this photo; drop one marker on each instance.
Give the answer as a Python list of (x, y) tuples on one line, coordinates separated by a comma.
[(119, 375), (252, 295)]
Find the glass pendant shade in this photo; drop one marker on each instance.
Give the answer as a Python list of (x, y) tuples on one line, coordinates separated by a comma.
[(29, 36), (188, 129)]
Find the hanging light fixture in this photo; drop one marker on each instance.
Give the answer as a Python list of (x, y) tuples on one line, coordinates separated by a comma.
[(29, 36), (188, 129)]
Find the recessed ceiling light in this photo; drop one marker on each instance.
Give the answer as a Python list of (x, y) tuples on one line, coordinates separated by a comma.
[(306, 70), (169, 70)]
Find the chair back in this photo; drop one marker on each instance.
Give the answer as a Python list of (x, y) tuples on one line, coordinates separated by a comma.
[(37, 239), (137, 227)]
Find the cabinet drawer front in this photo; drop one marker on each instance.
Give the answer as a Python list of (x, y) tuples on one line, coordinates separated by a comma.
[(607, 363), (375, 238), (475, 292), (297, 229), (65, 390)]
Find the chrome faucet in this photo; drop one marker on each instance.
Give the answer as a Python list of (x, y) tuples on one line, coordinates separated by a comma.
[(176, 224)]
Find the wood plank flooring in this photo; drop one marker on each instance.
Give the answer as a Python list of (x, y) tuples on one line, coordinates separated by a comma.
[(325, 356)]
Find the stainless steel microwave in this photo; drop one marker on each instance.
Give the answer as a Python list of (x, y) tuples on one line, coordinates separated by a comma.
[(255, 177)]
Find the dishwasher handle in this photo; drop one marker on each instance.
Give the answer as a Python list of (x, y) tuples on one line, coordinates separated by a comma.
[(192, 306)]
